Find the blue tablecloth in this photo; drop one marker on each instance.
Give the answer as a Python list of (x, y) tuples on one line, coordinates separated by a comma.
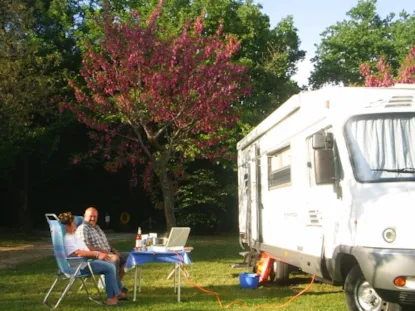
[(136, 258)]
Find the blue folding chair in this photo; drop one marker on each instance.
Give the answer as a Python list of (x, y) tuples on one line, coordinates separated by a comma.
[(78, 220), (69, 267)]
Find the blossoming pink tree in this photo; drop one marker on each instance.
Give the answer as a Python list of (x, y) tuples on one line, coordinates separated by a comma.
[(158, 99), (384, 77)]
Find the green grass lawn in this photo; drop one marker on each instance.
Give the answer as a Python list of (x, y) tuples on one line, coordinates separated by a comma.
[(23, 287)]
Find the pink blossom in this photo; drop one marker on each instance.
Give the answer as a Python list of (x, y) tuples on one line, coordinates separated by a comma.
[(142, 83), (384, 78)]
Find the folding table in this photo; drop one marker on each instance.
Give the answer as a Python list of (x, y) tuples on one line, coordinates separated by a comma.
[(137, 258)]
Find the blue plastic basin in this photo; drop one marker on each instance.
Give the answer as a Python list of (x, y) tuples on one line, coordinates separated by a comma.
[(249, 280)]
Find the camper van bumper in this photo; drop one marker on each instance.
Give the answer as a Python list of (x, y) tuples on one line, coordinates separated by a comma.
[(381, 266)]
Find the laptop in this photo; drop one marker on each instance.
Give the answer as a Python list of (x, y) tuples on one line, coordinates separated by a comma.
[(176, 241)]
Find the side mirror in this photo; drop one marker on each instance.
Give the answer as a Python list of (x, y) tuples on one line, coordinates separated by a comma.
[(324, 166), (329, 141), (318, 141), (323, 141)]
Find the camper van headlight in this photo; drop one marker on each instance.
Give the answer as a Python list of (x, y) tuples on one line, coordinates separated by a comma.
[(389, 235)]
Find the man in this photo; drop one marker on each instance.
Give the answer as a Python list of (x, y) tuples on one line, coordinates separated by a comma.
[(96, 240), (75, 247)]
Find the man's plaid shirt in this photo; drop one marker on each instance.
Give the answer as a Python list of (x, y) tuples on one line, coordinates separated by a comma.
[(93, 236)]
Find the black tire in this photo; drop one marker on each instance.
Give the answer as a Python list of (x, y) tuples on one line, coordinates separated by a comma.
[(279, 272), (361, 296)]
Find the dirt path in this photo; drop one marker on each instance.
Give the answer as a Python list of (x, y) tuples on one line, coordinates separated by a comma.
[(12, 256)]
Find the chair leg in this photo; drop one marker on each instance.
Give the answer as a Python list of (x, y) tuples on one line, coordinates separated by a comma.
[(93, 276), (96, 286), (89, 295), (100, 283), (67, 288), (50, 291), (81, 287), (71, 281)]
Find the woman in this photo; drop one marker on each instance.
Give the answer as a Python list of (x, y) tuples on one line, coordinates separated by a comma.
[(75, 247)]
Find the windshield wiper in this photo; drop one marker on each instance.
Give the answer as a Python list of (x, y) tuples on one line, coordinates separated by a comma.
[(409, 170)]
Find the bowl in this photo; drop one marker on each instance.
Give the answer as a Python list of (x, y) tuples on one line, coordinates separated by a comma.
[(248, 280)]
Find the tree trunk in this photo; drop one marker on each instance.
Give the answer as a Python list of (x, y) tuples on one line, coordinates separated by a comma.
[(25, 220), (167, 190)]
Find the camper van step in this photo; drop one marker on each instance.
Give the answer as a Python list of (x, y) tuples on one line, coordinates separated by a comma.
[(239, 265)]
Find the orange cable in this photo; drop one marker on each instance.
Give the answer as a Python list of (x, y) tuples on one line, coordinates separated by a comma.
[(292, 298), (196, 285), (239, 302)]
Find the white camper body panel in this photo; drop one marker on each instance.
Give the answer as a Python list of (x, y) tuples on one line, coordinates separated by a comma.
[(284, 212)]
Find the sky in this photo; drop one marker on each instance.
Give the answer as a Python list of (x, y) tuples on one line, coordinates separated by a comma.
[(312, 17)]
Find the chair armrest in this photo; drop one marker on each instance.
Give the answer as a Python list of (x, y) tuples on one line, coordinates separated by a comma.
[(81, 259), (79, 263)]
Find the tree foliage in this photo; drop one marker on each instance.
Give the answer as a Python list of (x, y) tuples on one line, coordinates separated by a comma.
[(270, 54), (201, 200), (27, 78), (362, 37), (151, 96), (37, 52), (382, 75)]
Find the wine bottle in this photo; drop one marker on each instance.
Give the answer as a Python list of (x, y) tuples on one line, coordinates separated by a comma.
[(138, 240)]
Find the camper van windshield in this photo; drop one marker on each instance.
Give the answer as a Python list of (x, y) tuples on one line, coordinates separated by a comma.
[(382, 147)]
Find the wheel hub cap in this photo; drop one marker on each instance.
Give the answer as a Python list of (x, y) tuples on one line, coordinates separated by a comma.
[(367, 297)]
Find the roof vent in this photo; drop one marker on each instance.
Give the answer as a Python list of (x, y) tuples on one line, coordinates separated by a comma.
[(400, 101)]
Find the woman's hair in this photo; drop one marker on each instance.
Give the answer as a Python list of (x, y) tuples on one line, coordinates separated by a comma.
[(66, 218)]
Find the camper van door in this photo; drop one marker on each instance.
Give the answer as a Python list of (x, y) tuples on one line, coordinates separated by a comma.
[(248, 219), (320, 207), (253, 211)]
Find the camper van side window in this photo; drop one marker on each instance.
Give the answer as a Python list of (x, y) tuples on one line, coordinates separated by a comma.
[(279, 168)]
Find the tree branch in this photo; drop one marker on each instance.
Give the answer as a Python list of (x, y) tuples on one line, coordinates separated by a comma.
[(141, 142), (129, 138), (170, 149), (164, 128), (151, 138)]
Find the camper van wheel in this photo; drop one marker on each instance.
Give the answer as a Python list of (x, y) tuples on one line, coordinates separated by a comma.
[(360, 295), (279, 272)]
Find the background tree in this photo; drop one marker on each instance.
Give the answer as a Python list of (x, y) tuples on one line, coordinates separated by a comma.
[(203, 200), (270, 54), (36, 142), (155, 96), (37, 53), (362, 37)]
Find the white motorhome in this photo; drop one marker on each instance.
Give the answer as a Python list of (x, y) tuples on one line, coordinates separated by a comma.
[(327, 185)]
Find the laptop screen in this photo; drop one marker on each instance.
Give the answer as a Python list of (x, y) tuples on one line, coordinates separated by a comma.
[(178, 237)]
